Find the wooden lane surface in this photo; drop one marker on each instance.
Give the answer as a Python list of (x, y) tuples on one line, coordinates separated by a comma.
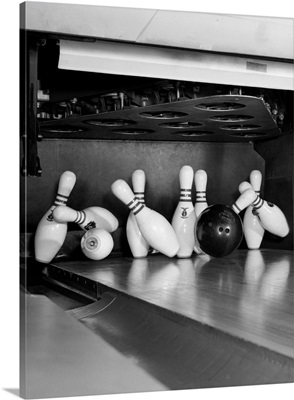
[(248, 294), (61, 357)]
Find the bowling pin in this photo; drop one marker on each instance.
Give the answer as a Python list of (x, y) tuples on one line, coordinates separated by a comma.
[(253, 230), (155, 228), (200, 185), (271, 217), (97, 244), (138, 244), (201, 202), (184, 217), (89, 218), (50, 234), (244, 200)]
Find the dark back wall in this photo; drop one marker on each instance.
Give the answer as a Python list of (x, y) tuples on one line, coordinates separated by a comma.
[(278, 183), (97, 164)]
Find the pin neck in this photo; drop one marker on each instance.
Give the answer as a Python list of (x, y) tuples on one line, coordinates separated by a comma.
[(258, 203), (60, 199), (200, 196), (185, 194), (81, 217), (140, 196), (236, 208), (135, 206)]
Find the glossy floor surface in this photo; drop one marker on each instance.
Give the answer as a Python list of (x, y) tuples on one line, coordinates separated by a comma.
[(190, 323), (248, 294)]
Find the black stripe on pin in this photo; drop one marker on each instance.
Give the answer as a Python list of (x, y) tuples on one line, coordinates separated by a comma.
[(132, 203), (62, 195), (81, 218), (236, 206), (141, 206), (58, 202), (140, 196), (258, 203)]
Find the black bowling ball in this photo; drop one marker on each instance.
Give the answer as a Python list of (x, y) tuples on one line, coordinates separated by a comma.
[(219, 230)]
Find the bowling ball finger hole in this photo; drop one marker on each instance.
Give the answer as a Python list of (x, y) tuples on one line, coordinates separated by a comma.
[(221, 229)]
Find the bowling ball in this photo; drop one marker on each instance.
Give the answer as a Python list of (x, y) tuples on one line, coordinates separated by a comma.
[(219, 230)]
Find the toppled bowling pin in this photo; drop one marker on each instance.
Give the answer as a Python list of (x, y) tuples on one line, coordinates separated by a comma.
[(154, 227), (50, 234), (97, 244), (244, 200), (270, 216), (138, 244), (89, 218), (184, 217)]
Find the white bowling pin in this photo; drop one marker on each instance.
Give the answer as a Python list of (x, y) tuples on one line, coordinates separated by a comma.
[(50, 235), (271, 217), (244, 200), (138, 244), (154, 227), (184, 217), (200, 179), (200, 186), (97, 244), (253, 230), (89, 218)]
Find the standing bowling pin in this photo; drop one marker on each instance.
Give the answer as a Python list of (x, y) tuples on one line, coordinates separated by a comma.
[(50, 235), (89, 218), (184, 217), (138, 244), (97, 244), (271, 217), (154, 227), (253, 230), (201, 202), (200, 186)]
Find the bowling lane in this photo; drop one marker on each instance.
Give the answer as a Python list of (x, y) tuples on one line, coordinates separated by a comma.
[(248, 294), (60, 357)]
